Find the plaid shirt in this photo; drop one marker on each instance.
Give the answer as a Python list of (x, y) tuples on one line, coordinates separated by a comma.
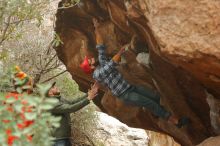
[(108, 75)]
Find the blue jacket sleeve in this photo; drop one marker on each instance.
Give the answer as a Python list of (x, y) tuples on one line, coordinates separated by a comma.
[(102, 54), (107, 68)]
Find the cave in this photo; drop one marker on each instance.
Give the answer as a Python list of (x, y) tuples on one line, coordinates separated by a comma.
[(178, 41)]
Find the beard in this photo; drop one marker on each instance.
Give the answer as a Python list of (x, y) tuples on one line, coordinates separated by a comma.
[(96, 63)]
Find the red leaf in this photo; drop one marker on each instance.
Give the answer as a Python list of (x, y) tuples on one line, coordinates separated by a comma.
[(20, 125), (29, 137), (28, 123), (10, 109), (8, 131), (24, 102), (11, 139), (6, 121)]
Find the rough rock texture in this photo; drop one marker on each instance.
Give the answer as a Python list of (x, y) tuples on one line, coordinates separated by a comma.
[(111, 132), (212, 141), (182, 38), (158, 139)]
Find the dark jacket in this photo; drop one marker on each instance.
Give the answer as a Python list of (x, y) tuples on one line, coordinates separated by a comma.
[(63, 109)]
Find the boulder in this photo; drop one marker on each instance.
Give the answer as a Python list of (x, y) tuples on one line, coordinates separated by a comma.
[(181, 38), (111, 132)]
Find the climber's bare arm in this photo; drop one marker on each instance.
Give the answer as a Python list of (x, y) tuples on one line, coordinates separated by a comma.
[(85, 48), (117, 57), (99, 39)]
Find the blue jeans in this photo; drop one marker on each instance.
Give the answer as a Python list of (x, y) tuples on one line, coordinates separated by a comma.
[(62, 142), (145, 97)]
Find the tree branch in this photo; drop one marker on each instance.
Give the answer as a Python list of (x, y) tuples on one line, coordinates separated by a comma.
[(51, 59), (54, 76), (5, 30)]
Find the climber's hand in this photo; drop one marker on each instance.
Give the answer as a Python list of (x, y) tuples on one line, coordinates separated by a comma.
[(95, 23), (121, 51), (83, 44), (124, 49)]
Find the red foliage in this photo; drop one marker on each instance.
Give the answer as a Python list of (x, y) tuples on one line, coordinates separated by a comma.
[(6, 121), (28, 123), (11, 139), (24, 124), (29, 137), (14, 95), (8, 131)]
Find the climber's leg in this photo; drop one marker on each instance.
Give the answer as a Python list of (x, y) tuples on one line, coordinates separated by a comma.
[(148, 93), (131, 97)]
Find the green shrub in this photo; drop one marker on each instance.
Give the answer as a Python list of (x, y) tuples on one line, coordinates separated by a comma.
[(26, 118)]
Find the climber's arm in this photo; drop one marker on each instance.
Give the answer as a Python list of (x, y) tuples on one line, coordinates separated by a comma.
[(117, 57), (69, 108), (98, 36), (85, 49), (77, 104), (100, 44), (75, 100)]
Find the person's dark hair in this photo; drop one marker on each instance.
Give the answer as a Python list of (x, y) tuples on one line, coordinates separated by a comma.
[(96, 63), (54, 83)]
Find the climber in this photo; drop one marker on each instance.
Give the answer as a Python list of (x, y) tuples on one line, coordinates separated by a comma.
[(64, 108), (107, 74)]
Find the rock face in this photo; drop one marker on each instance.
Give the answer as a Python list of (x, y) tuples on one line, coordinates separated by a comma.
[(212, 141), (158, 139), (182, 39), (112, 132)]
